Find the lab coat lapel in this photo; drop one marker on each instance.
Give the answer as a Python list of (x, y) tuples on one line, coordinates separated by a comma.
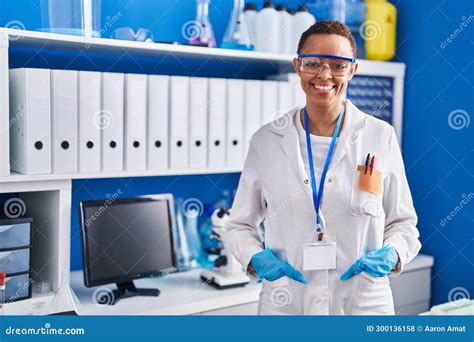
[(353, 122), (290, 145)]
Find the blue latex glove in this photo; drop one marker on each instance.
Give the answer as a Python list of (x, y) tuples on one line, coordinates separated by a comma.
[(270, 268), (376, 263)]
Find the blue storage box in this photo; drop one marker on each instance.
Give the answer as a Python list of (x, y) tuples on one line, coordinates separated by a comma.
[(18, 287), (15, 233), (15, 261)]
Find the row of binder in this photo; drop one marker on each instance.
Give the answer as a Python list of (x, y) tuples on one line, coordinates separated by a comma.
[(65, 121)]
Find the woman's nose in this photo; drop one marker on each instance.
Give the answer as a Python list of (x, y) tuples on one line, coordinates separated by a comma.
[(325, 72)]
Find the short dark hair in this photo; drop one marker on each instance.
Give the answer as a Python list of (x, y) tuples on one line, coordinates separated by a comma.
[(328, 27)]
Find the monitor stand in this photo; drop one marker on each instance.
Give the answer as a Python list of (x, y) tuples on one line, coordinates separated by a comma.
[(125, 290)]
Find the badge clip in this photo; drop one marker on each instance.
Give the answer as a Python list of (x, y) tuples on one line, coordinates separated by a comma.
[(320, 233)]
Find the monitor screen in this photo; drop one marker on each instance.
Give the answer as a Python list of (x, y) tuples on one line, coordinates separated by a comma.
[(126, 239)]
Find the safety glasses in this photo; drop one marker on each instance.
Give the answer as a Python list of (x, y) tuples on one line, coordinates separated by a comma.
[(313, 64)]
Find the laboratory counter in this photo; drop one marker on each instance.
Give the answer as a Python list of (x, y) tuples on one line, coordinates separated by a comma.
[(182, 293)]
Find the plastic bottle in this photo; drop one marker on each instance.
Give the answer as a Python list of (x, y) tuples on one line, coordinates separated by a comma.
[(301, 22), (355, 16), (328, 9), (268, 28), (205, 33), (237, 34), (286, 30), (379, 29), (74, 17), (250, 11)]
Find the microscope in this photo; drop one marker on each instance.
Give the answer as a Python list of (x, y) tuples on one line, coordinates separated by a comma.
[(227, 271)]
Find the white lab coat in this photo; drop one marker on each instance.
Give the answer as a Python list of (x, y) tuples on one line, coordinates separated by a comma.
[(274, 187)]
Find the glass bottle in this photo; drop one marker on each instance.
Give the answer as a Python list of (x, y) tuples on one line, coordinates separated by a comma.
[(237, 34), (203, 34)]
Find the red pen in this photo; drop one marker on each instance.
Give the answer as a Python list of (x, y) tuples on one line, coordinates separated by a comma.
[(372, 164)]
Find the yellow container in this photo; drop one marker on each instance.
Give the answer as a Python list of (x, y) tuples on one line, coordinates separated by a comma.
[(379, 30)]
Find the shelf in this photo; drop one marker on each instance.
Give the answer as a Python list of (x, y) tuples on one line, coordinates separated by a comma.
[(29, 306), (41, 304), (17, 177), (42, 40)]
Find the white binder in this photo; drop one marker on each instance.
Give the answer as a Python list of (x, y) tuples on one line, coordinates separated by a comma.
[(179, 122), (217, 122), (89, 121), (253, 110), (299, 96), (198, 112), (270, 101), (285, 97), (235, 114), (158, 122), (30, 121), (64, 121), (111, 121), (135, 122)]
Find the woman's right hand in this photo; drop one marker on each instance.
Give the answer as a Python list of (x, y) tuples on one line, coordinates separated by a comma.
[(269, 267)]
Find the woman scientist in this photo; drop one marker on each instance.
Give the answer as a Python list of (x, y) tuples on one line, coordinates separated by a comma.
[(329, 183)]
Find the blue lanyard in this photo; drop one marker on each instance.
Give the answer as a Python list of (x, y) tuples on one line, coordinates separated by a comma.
[(316, 197)]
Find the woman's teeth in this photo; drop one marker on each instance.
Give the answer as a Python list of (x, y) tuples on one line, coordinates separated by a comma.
[(320, 87)]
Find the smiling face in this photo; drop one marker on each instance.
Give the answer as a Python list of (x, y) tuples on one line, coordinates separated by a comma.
[(325, 89)]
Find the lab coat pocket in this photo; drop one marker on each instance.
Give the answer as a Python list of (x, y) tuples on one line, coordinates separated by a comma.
[(373, 296), (283, 281), (277, 297), (363, 202)]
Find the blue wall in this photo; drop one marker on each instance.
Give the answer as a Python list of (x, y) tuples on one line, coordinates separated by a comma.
[(438, 153)]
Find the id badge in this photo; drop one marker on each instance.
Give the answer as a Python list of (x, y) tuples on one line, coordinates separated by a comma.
[(320, 255)]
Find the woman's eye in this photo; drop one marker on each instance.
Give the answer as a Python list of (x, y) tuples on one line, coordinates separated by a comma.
[(339, 66), (312, 64)]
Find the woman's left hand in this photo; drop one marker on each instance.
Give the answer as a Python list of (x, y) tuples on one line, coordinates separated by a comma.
[(376, 263)]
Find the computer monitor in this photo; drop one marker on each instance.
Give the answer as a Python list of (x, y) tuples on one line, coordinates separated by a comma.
[(127, 239)]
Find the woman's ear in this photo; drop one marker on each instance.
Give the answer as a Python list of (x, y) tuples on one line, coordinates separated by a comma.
[(296, 66), (354, 70)]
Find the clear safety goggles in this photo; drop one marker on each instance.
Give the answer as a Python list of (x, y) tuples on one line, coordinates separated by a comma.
[(314, 64)]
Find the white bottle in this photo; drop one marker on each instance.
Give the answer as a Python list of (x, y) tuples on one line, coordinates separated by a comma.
[(268, 29), (286, 29), (302, 20), (250, 11)]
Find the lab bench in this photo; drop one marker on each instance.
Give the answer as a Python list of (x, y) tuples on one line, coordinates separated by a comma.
[(184, 293)]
